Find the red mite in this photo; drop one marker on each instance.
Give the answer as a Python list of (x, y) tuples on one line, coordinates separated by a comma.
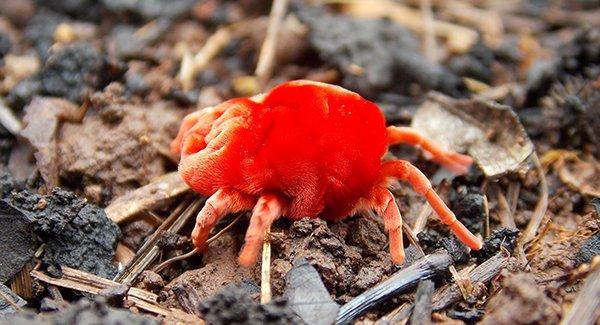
[(304, 149)]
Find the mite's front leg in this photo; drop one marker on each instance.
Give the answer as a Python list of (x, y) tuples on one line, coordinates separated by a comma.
[(453, 161), (216, 207)]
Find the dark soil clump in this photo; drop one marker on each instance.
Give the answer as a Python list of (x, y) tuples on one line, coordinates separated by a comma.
[(73, 71), (75, 233), (83, 312), (233, 305)]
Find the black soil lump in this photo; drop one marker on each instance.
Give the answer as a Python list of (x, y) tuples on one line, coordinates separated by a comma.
[(72, 71), (76, 234), (233, 305), (504, 237), (40, 30), (469, 207), (433, 241), (589, 249), (375, 55), (4, 44), (17, 240), (86, 9), (83, 312)]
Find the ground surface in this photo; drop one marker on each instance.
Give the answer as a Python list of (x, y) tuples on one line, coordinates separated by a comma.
[(93, 91)]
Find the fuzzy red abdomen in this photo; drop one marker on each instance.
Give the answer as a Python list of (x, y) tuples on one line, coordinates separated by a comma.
[(317, 145)]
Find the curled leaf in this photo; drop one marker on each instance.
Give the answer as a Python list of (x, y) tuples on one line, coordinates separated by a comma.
[(489, 132)]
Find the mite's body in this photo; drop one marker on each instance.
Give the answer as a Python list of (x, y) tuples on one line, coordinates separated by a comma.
[(305, 149)]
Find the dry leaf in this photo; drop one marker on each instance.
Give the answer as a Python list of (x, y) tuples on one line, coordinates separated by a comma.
[(489, 132), (42, 119)]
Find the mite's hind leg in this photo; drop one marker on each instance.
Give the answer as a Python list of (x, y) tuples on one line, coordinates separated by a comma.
[(405, 171), (385, 205), (451, 160), (216, 207), (268, 209)]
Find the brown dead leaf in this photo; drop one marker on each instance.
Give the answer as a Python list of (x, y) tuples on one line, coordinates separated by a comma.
[(489, 132), (42, 118)]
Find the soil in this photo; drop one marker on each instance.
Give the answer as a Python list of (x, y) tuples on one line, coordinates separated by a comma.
[(92, 92)]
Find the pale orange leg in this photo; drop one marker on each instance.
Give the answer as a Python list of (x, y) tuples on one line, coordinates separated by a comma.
[(216, 207), (385, 205), (453, 161), (405, 171), (268, 209)]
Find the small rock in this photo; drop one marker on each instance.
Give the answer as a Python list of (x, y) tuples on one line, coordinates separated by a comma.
[(72, 71), (151, 281), (307, 295)]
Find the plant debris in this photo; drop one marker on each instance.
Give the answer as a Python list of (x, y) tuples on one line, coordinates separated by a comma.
[(478, 128)]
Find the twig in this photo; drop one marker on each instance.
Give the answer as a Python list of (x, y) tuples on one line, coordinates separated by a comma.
[(9, 300), (266, 59), (425, 268), (485, 272), (586, 306), (89, 283), (459, 38), (170, 261), (506, 216), (265, 273), (146, 197), (196, 250), (190, 67), (412, 238), (486, 208), (464, 283), (21, 283), (450, 293), (149, 251), (421, 221), (541, 206), (428, 32), (8, 119)]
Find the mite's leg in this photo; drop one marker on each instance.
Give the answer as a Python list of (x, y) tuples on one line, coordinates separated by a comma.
[(383, 202), (268, 209), (453, 161), (216, 207), (405, 171)]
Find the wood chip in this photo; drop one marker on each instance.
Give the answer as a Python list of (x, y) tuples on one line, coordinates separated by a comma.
[(89, 283), (147, 197)]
